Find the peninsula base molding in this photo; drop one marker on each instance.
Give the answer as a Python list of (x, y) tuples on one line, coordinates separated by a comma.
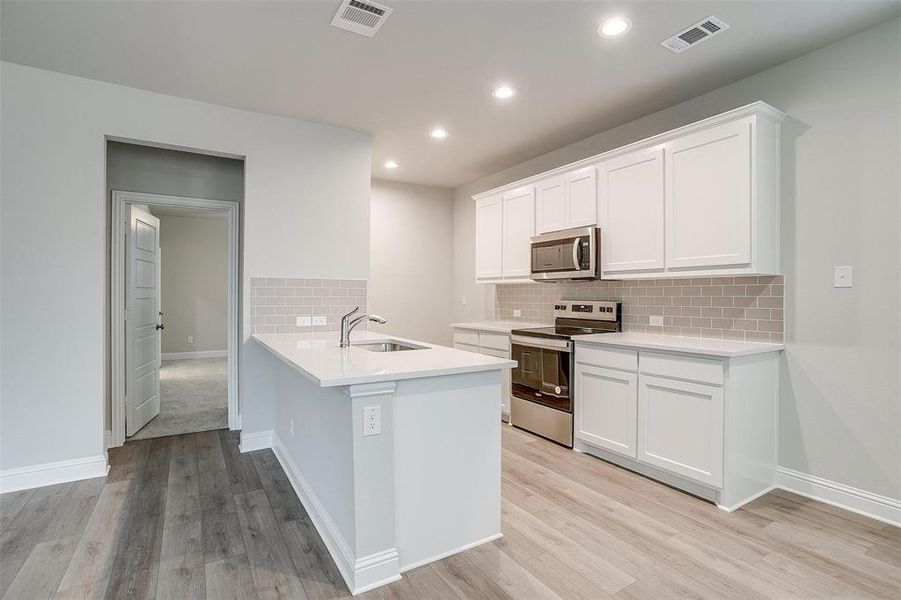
[(196, 354), (64, 471), (868, 504)]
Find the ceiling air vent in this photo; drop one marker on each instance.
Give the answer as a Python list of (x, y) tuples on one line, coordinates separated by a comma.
[(697, 33), (360, 17)]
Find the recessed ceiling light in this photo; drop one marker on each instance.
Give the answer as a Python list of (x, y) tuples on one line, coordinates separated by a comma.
[(391, 164), (503, 92), (439, 133), (614, 27)]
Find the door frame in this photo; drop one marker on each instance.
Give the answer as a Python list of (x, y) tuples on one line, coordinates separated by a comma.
[(120, 203)]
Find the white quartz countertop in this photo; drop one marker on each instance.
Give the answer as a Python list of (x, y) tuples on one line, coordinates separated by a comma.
[(318, 357), (499, 326), (672, 343)]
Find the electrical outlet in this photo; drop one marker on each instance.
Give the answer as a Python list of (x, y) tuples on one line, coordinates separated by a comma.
[(190, 339), (304, 321), (517, 312), (319, 320), (372, 420), (291, 427), (464, 300), (656, 320)]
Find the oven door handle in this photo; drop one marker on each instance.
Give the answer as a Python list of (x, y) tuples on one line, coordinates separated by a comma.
[(547, 344)]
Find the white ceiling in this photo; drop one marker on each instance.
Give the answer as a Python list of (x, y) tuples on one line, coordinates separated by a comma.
[(433, 62)]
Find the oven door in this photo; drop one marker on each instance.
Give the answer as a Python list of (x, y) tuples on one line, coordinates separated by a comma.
[(570, 254), (543, 371)]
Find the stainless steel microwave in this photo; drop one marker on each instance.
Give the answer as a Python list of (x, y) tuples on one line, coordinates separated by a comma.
[(569, 254)]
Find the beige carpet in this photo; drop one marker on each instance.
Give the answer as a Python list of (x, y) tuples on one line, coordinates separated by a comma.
[(193, 397)]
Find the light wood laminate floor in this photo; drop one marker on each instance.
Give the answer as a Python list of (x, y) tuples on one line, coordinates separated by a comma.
[(190, 517)]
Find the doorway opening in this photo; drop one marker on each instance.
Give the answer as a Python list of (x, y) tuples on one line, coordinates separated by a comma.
[(174, 277)]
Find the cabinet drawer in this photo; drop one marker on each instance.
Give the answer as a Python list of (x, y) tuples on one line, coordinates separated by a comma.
[(677, 366), (613, 358), (467, 347), (466, 336), (495, 341)]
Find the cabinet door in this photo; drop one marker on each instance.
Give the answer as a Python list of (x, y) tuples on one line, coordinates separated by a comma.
[(489, 238), (708, 198), (680, 428), (581, 198), (519, 226), (607, 408), (507, 386), (631, 212), (551, 204)]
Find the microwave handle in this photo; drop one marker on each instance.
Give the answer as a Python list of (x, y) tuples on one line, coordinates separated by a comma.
[(576, 261)]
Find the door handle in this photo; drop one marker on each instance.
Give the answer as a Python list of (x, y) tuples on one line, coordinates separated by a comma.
[(576, 255), (160, 326)]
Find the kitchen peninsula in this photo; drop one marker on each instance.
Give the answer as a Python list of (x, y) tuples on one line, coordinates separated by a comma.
[(392, 445)]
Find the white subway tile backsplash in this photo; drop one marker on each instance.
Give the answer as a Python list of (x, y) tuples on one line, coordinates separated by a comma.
[(739, 308), (276, 301)]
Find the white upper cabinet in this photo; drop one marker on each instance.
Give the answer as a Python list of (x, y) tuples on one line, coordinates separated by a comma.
[(708, 192), (551, 204), (581, 198), (519, 226), (699, 201), (567, 201), (631, 212), (489, 238)]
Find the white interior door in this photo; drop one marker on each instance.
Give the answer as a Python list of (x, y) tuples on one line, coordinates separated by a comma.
[(142, 321)]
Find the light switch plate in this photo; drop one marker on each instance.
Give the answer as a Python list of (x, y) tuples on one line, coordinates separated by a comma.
[(656, 320), (517, 312), (842, 277), (304, 321), (190, 339), (319, 320)]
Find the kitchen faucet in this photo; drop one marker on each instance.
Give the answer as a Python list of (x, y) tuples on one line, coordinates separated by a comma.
[(347, 324)]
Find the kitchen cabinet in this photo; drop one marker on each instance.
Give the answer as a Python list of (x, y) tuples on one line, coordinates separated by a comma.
[(504, 224), (489, 238), (606, 414), (567, 201), (699, 201), (708, 197), (491, 344), (518, 226), (631, 200), (706, 425), (680, 428)]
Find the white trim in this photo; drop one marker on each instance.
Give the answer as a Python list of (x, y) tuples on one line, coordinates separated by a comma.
[(337, 546), (758, 108), (119, 201), (747, 500), (195, 354), (257, 440), (107, 440), (463, 548), (64, 471), (868, 504)]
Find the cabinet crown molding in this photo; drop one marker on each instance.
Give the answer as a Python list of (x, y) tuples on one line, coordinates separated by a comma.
[(758, 108)]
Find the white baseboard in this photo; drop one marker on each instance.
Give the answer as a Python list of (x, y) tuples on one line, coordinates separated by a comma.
[(257, 440), (360, 574), (464, 548), (881, 508), (64, 471), (198, 354)]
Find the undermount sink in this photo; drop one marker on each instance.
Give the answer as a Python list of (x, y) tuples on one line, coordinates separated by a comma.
[(385, 346)]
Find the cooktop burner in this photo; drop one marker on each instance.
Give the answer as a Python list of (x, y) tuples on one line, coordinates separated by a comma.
[(561, 332)]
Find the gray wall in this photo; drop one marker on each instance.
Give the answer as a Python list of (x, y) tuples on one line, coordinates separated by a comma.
[(840, 404), (303, 182), (410, 280), (194, 274)]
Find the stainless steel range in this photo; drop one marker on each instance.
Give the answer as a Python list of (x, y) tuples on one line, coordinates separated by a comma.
[(542, 394)]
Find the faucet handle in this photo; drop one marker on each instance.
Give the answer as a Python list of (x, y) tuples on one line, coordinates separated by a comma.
[(356, 308)]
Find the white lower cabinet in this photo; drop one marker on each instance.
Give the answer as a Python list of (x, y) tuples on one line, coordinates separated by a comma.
[(704, 424), (491, 344), (607, 408), (680, 428)]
